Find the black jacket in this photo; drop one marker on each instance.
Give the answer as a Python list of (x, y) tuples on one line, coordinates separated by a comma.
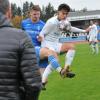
[(19, 72)]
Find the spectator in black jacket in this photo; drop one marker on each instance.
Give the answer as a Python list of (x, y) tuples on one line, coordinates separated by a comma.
[(19, 73)]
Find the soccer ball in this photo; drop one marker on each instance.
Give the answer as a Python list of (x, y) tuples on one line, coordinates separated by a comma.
[(64, 25)]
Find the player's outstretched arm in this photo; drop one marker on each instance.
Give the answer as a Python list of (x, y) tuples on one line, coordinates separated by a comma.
[(74, 29)]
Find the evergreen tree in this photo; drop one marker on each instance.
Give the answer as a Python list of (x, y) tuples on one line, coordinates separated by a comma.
[(19, 11), (25, 9), (47, 12), (31, 4), (14, 9)]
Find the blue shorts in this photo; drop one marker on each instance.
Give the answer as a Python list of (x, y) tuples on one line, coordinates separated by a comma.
[(42, 63)]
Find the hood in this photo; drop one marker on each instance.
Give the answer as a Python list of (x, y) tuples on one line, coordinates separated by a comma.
[(4, 21)]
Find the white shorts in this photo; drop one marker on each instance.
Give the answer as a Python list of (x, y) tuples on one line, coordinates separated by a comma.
[(93, 38), (55, 46)]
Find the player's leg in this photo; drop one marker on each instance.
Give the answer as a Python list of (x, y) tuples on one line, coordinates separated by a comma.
[(53, 64), (42, 65), (52, 58), (97, 48), (66, 47), (50, 55), (92, 44), (45, 75), (69, 49), (96, 45), (45, 53), (48, 51)]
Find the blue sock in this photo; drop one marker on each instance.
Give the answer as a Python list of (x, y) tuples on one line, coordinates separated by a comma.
[(53, 61)]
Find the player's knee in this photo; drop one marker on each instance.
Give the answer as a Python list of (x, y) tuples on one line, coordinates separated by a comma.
[(72, 47), (50, 52), (43, 53)]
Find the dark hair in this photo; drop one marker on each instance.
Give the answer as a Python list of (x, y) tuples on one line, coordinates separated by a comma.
[(35, 7), (64, 7), (94, 20), (4, 5)]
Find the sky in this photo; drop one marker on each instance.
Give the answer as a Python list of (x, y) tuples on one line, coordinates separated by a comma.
[(74, 4)]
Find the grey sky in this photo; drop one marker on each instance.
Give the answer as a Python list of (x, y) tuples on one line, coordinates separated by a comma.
[(74, 4)]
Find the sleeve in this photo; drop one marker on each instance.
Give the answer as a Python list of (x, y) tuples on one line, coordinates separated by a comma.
[(74, 29), (46, 29), (30, 70)]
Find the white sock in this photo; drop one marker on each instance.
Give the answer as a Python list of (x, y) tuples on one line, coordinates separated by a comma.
[(58, 69), (93, 48), (46, 73), (97, 48), (69, 57)]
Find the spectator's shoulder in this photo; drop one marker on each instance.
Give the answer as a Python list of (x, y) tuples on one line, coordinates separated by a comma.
[(19, 33)]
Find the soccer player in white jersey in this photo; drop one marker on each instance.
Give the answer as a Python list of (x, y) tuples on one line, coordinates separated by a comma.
[(93, 32), (49, 37)]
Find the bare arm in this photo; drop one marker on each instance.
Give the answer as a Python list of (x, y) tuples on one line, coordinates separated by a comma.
[(74, 29)]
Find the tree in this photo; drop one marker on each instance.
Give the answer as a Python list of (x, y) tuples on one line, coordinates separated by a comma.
[(25, 9), (84, 9), (47, 12), (31, 4), (19, 11), (14, 9)]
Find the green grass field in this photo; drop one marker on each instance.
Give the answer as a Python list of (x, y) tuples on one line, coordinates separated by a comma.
[(85, 85)]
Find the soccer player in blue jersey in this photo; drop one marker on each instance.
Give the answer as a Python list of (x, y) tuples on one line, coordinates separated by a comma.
[(33, 25)]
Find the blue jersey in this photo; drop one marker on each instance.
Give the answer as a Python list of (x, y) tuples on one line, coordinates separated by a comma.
[(98, 37), (33, 29)]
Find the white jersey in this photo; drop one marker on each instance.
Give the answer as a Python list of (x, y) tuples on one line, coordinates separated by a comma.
[(93, 30), (93, 33), (52, 29)]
